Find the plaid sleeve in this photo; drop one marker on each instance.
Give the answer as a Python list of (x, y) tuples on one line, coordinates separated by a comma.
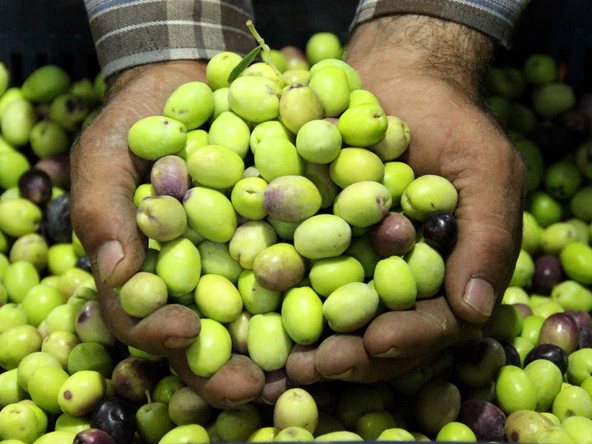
[(495, 18), (134, 32)]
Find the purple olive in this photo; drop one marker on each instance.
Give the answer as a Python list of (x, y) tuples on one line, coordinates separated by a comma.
[(120, 351), (550, 352), (394, 235), (584, 323), (35, 185), (93, 436), (116, 417), (585, 338), (84, 263), (57, 225), (581, 318), (440, 230), (58, 168), (547, 273), (485, 419), (170, 176), (560, 329), (512, 355), (132, 377)]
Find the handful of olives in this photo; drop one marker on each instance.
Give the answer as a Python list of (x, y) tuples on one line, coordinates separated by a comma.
[(292, 181)]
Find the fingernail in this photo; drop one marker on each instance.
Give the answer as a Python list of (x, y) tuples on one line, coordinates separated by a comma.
[(479, 295), (391, 353), (178, 342), (108, 256)]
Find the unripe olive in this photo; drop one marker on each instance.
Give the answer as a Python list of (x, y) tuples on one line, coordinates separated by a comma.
[(338, 311), (210, 350), (268, 342), (156, 136)]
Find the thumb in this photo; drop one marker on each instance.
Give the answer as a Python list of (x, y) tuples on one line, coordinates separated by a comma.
[(105, 172), (489, 217), (104, 178)]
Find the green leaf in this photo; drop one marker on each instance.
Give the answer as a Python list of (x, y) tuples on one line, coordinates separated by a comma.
[(245, 62)]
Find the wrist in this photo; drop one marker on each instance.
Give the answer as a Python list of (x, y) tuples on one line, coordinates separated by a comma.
[(427, 47), (172, 72)]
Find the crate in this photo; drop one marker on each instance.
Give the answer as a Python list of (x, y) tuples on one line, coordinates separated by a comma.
[(37, 32)]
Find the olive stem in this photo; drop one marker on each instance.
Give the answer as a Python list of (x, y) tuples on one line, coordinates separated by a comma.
[(266, 50)]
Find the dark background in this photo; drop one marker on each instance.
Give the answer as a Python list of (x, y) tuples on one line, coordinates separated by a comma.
[(35, 32)]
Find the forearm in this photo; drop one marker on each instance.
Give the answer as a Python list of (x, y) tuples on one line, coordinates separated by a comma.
[(418, 46), (494, 18), (132, 33)]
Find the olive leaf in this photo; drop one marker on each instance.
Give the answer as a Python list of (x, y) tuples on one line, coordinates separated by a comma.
[(244, 63)]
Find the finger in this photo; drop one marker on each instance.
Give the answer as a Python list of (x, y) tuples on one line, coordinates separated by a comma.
[(104, 178), (345, 357), (489, 216), (428, 328), (156, 333), (300, 366), (276, 383), (104, 220), (239, 381)]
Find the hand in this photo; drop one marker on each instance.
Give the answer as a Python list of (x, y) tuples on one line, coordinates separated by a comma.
[(104, 177), (427, 71), (413, 338)]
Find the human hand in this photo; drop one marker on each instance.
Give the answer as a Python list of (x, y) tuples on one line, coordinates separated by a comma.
[(104, 177), (426, 71)]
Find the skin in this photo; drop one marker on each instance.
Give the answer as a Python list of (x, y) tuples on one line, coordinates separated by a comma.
[(433, 86)]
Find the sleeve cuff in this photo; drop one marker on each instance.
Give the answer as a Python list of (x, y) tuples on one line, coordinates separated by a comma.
[(136, 32), (494, 18)]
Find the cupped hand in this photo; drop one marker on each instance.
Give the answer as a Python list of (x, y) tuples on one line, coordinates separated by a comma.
[(413, 338), (436, 92), (427, 72), (105, 175)]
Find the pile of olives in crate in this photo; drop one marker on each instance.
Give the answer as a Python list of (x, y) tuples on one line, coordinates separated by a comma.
[(277, 207)]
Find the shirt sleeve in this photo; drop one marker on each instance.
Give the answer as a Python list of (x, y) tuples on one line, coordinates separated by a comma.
[(128, 33), (495, 18)]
